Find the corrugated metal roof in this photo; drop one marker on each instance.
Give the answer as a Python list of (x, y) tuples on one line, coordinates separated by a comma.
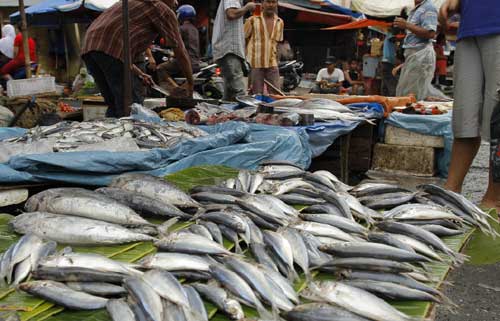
[(15, 3)]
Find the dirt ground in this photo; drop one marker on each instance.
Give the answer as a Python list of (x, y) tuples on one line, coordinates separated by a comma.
[(476, 288)]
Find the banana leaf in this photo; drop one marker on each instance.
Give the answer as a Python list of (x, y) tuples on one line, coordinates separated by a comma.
[(34, 309)]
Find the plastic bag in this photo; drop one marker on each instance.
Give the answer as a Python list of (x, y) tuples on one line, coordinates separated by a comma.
[(5, 116), (417, 74), (140, 112)]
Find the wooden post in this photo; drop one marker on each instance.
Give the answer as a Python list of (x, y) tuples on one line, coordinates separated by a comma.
[(127, 77), (24, 31)]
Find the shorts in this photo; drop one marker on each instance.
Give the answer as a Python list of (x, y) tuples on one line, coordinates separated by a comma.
[(477, 79)]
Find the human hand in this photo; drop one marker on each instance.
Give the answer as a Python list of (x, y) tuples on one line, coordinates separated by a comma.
[(250, 6), (400, 23), (450, 6), (147, 79), (152, 65)]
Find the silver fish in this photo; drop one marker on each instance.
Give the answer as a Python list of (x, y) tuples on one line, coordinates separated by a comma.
[(196, 303), (220, 299), (167, 286), (74, 230), (62, 295), (190, 243), (97, 288), (119, 310), (147, 298), (13, 196)]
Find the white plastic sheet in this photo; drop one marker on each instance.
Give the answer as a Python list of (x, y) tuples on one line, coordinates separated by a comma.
[(385, 8)]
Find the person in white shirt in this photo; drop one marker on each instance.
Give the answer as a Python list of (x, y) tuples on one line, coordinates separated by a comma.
[(329, 80)]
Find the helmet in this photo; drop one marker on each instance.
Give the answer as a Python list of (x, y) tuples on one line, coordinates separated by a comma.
[(185, 12)]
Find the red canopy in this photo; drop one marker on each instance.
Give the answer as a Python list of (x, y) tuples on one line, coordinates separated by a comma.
[(305, 15), (364, 23)]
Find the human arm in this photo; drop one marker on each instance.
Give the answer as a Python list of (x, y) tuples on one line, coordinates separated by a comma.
[(248, 29), (449, 8), (236, 13), (147, 79), (420, 32), (151, 59), (396, 69)]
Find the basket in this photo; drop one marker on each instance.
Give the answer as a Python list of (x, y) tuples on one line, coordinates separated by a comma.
[(31, 86)]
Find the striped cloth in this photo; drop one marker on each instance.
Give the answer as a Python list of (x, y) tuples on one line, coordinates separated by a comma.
[(147, 20), (262, 51)]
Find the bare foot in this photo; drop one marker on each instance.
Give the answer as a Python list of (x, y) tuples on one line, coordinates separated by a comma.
[(456, 189)]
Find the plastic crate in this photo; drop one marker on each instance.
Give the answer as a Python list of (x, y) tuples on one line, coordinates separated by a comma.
[(31, 86)]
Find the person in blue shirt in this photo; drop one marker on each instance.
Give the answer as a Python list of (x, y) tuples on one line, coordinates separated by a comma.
[(389, 81), (418, 70), (477, 80)]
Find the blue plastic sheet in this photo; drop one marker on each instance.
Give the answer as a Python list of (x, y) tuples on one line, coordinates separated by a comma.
[(435, 125), (323, 135), (234, 144)]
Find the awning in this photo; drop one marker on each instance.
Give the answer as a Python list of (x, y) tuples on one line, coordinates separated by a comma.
[(56, 12), (364, 23), (385, 8), (330, 4), (306, 15)]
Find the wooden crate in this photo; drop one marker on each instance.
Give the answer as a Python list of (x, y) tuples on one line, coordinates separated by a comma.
[(413, 160)]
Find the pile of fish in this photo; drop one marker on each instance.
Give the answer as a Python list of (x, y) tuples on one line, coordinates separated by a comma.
[(369, 256), (70, 136)]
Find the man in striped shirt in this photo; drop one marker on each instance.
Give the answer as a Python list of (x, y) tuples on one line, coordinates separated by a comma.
[(103, 48), (262, 35)]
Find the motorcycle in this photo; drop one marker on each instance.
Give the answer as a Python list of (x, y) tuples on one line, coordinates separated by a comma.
[(205, 82), (291, 71)]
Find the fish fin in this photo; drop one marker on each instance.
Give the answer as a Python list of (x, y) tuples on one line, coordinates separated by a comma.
[(165, 226)]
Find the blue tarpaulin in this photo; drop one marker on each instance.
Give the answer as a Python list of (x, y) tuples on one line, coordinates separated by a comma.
[(435, 125), (233, 144)]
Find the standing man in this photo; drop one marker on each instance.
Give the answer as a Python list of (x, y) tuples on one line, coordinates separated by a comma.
[(418, 71), (103, 48), (263, 33), (329, 80), (477, 80), (389, 81), (228, 45)]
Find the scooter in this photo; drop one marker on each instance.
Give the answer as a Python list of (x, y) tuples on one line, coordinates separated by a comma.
[(204, 82), (291, 71)]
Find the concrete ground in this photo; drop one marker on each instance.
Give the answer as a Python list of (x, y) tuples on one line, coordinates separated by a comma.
[(476, 288)]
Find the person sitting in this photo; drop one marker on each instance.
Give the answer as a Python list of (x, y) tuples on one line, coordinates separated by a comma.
[(353, 78), (329, 80), (7, 44), (82, 79), (15, 68)]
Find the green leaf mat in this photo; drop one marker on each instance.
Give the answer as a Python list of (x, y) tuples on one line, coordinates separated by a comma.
[(34, 309)]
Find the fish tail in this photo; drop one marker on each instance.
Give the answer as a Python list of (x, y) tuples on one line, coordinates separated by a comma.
[(265, 314)]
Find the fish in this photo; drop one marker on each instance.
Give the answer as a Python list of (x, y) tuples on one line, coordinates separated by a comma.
[(392, 278), (339, 202), (231, 236), (441, 231), (321, 312), (213, 229), (372, 250), (196, 303), (210, 197), (389, 239), (91, 261), (299, 249), (191, 244), (146, 297), (324, 208), (229, 218), (237, 286), (119, 310), (21, 252), (316, 257), (174, 312), (261, 256), (256, 180), (366, 189), (21, 271), (143, 204), (77, 275), (220, 299), (345, 224), (282, 284), (13, 196), (297, 199), (74, 230), (388, 200), (355, 300), (420, 212), (320, 179), (392, 291), (286, 186), (339, 185), (155, 188), (64, 296), (83, 203), (423, 236), (216, 190), (200, 230), (98, 288), (194, 276), (370, 264), (320, 229), (280, 246), (167, 286), (418, 246)]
